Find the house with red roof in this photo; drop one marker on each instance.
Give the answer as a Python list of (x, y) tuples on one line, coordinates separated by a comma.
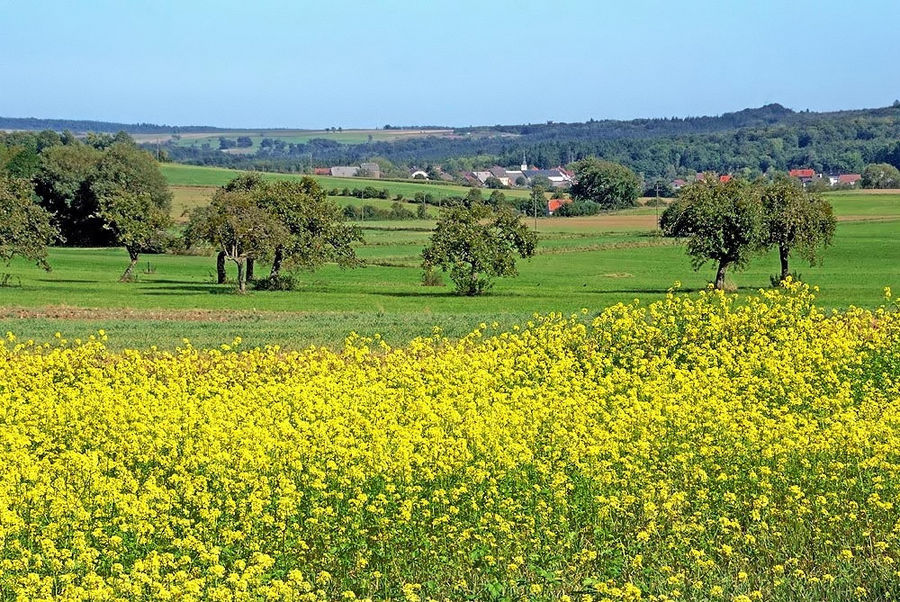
[(725, 178), (849, 179), (803, 173), (554, 204)]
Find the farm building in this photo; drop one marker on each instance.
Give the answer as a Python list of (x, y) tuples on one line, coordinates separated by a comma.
[(344, 171), (849, 179), (802, 173), (372, 170), (558, 176)]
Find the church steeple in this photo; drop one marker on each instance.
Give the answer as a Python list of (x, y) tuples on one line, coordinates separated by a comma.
[(524, 163)]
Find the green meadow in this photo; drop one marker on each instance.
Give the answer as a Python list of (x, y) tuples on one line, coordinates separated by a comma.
[(582, 263)]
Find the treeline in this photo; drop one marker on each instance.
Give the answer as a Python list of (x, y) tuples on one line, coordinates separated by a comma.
[(81, 126), (748, 142)]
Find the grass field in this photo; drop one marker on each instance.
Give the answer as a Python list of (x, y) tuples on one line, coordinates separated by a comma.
[(193, 186), (581, 263), (194, 176)]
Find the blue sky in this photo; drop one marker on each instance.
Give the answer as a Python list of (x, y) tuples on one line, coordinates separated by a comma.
[(365, 64)]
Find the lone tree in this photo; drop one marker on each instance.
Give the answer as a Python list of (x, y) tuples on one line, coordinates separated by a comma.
[(796, 221), (25, 228), (610, 185), (475, 244), (133, 200), (236, 224), (723, 222)]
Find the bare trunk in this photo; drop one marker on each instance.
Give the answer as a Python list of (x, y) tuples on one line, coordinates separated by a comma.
[(241, 274), (221, 275), (276, 262), (783, 252), (720, 275), (128, 275), (250, 264)]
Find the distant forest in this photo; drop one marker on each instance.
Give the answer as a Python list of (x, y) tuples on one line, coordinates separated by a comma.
[(81, 126), (749, 141)]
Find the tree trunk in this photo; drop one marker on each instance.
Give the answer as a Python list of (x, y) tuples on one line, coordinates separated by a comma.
[(128, 275), (221, 275), (276, 262), (250, 263), (783, 252), (720, 275), (241, 275)]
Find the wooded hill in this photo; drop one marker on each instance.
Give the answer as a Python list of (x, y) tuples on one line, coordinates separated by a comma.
[(749, 141)]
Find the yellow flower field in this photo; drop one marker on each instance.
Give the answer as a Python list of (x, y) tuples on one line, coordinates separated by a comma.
[(693, 449)]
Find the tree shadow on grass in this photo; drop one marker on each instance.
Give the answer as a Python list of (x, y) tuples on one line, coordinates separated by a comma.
[(450, 294), (68, 281), (189, 289), (663, 291), (641, 290), (414, 294)]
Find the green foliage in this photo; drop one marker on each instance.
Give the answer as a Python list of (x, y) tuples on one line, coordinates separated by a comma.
[(235, 223), (315, 225), (610, 185), (25, 229), (63, 184), (722, 221), (496, 199), (796, 220), (880, 175), (279, 282), (578, 208), (538, 200), (476, 244), (757, 140), (541, 182), (132, 198), (298, 226), (494, 183), (473, 197)]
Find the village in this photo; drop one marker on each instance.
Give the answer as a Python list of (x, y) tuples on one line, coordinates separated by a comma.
[(559, 177)]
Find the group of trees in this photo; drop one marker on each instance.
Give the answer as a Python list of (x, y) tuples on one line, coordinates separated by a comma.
[(880, 175), (102, 191), (609, 185), (730, 222), (290, 223)]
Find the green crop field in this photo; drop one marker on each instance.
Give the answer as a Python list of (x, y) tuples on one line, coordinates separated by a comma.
[(587, 263)]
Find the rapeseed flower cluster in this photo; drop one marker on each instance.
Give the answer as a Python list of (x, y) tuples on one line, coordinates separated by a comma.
[(694, 449)]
